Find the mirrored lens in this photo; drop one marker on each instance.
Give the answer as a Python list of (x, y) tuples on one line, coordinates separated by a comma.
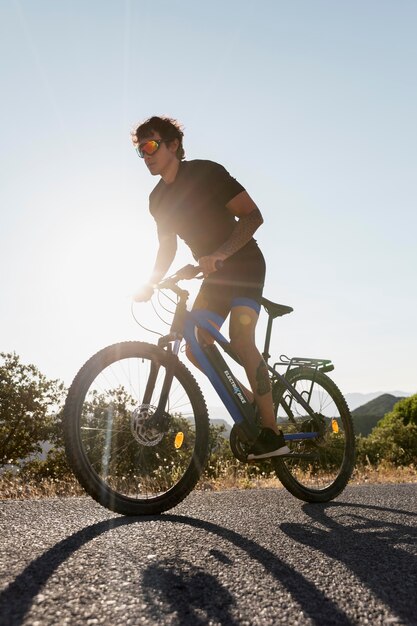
[(148, 148)]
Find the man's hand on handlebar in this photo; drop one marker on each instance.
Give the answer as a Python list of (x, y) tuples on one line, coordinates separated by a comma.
[(143, 294), (206, 265), (211, 263)]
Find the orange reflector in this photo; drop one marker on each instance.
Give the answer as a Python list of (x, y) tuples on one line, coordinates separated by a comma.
[(335, 425), (179, 440)]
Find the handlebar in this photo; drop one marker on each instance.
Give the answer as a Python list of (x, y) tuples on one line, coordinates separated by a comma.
[(187, 272), (184, 273)]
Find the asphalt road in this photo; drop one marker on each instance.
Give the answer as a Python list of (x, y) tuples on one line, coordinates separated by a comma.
[(237, 557)]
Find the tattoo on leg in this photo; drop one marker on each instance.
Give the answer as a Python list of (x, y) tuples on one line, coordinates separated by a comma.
[(262, 379)]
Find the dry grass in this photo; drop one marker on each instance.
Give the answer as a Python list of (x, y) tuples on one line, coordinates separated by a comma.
[(17, 488), (384, 474)]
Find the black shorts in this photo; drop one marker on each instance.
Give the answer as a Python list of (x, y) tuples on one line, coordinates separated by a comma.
[(239, 282)]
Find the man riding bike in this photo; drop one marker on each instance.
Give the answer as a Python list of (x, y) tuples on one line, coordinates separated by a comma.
[(200, 202)]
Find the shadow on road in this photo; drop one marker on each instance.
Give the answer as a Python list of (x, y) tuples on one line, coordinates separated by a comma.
[(16, 600), (170, 579), (176, 586), (311, 600), (369, 548)]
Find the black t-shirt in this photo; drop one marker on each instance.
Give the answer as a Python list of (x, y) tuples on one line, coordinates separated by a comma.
[(194, 206)]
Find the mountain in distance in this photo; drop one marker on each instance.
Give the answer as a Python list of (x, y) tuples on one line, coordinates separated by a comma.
[(222, 422), (379, 406), (366, 417), (356, 400)]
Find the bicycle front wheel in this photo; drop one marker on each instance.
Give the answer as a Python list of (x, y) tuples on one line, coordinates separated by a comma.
[(126, 461), (322, 463)]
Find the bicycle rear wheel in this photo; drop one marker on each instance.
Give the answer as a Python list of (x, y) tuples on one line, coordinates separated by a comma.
[(122, 458), (321, 466)]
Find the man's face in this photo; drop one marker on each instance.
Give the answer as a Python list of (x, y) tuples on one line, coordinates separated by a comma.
[(160, 161)]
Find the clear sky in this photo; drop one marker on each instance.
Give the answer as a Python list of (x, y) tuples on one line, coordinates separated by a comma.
[(310, 104)]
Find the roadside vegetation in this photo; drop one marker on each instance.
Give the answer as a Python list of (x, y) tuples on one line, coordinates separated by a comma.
[(31, 411)]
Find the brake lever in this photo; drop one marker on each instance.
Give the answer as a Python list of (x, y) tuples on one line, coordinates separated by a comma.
[(187, 272)]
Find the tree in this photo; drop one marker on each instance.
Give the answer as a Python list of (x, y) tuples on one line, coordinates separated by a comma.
[(29, 409)]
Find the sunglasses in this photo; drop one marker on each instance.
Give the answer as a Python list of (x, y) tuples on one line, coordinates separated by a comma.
[(149, 147)]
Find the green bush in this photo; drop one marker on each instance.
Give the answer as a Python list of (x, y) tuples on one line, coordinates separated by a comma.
[(55, 467), (394, 438)]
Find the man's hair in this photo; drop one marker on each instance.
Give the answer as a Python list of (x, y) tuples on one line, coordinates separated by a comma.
[(169, 129)]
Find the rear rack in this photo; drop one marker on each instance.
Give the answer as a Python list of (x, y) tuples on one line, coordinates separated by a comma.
[(321, 365)]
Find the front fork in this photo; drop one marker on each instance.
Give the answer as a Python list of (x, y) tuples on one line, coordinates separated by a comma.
[(160, 418)]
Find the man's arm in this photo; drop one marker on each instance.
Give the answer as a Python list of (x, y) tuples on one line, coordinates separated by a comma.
[(249, 219), (164, 257)]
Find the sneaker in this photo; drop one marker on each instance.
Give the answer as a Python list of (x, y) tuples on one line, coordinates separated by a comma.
[(267, 445)]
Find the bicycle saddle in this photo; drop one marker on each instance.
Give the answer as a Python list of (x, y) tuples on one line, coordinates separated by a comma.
[(275, 310)]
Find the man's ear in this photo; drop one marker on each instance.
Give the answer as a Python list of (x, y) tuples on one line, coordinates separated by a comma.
[(173, 145)]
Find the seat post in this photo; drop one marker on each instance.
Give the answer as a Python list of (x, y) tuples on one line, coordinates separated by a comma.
[(265, 353)]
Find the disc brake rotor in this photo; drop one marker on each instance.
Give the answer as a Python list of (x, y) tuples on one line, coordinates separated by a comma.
[(145, 433)]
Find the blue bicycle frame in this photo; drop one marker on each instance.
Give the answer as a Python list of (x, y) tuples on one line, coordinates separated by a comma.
[(223, 380), (216, 369), (185, 325)]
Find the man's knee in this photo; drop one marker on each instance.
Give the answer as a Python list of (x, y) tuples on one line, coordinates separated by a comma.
[(242, 329), (241, 342)]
